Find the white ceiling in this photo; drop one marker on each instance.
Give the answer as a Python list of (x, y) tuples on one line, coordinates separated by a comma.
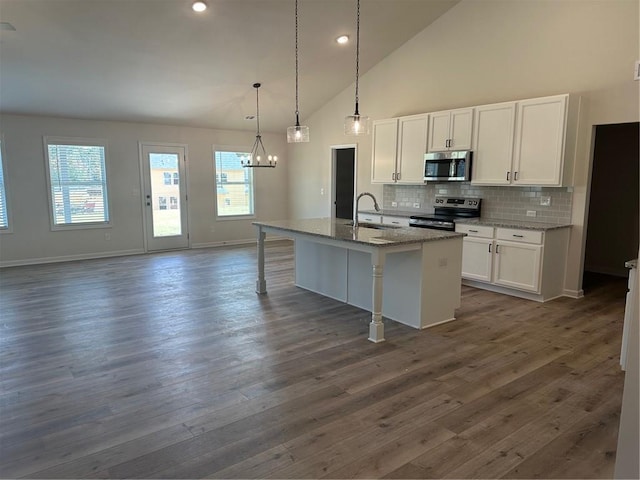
[(157, 61)]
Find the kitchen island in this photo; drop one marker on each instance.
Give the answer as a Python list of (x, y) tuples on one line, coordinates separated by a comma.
[(410, 275)]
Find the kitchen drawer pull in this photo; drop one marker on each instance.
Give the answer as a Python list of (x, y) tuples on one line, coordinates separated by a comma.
[(397, 223), (518, 236), (473, 231)]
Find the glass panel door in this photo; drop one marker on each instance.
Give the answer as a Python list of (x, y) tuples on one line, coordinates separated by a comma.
[(165, 197)]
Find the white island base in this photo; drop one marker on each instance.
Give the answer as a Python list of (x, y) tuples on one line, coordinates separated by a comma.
[(420, 287), (407, 275)]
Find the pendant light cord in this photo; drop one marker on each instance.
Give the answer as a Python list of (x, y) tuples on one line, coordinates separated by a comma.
[(257, 87), (357, 53), (297, 111)]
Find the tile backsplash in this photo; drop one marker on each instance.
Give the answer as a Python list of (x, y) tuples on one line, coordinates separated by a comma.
[(511, 203)]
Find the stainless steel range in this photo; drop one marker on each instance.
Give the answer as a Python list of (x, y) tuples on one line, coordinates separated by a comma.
[(446, 211)]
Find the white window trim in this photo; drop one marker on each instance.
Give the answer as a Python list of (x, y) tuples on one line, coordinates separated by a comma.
[(77, 141), (226, 218), (7, 194)]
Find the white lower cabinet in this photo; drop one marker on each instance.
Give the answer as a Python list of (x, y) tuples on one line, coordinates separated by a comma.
[(369, 217), (525, 263), (517, 265), (397, 221)]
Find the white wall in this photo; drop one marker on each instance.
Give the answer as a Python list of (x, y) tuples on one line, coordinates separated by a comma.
[(484, 52), (32, 239)]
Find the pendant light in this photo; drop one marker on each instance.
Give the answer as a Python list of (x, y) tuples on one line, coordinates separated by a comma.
[(297, 133), (258, 153), (357, 124)]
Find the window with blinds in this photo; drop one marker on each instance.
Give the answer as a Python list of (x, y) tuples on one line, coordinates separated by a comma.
[(4, 215), (78, 182), (234, 184)]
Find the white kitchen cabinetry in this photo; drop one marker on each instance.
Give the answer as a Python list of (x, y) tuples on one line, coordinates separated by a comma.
[(385, 147), (399, 145), (540, 138), (369, 218), (529, 142), (493, 143), (450, 130), (517, 264), (524, 263), (397, 221)]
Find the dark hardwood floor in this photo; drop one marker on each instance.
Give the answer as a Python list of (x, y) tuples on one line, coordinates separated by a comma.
[(170, 366)]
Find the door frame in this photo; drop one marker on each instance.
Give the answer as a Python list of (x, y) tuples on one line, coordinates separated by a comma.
[(145, 214), (332, 197)]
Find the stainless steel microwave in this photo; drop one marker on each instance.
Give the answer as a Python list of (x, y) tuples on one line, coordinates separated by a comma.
[(447, 166)]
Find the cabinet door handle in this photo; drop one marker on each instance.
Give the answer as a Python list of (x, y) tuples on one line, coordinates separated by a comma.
[(497, 248), (508, 176), (515, 175), (518, 236), (489, 248), (393, 176), (397, 176)]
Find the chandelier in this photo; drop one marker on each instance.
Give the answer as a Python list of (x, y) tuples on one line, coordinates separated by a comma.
[(258, 153)]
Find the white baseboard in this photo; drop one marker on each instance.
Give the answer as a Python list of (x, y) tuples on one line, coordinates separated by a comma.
[(69, 258), (229, 243), (573, 293), (122, 253)]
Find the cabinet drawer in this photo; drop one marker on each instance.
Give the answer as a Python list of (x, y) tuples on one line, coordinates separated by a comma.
[(514, 235), (398, 221), (481, 231), (368, 217)]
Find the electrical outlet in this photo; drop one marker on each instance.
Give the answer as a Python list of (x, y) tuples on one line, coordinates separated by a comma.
[(531, 213), (394, 204), (322, 191), (545, 201), (416, 205)]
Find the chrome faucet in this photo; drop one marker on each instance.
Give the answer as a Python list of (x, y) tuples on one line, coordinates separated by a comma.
[(355, 208)]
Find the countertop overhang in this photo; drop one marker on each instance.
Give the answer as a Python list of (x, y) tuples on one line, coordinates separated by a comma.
[(339, 229)]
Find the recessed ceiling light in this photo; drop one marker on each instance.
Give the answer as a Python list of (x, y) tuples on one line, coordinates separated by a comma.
[(199, 6), (342, 39)]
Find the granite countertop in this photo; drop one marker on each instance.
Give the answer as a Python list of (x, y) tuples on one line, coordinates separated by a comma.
[(631, 263), (342, 230), (504, 223)]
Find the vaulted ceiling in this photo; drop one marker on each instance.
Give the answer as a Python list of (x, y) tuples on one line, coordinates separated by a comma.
[(158, 61)]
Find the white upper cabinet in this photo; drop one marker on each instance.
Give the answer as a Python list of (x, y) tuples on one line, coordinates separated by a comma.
[(450, 130), (385, 147), (493, 143), (540, 136), (412, 145), (399, 145), (529, 142)]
